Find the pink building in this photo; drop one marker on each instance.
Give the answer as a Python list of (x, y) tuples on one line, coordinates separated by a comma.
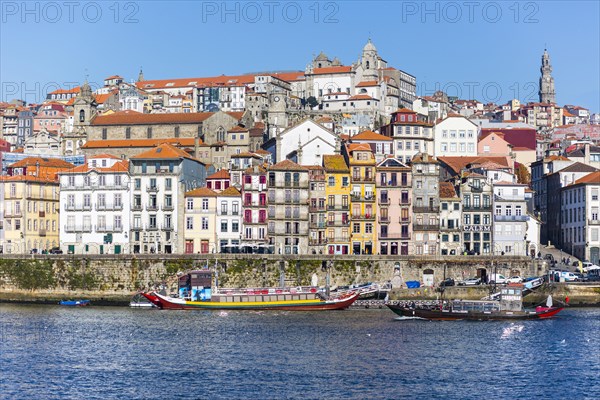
[(393, 188)]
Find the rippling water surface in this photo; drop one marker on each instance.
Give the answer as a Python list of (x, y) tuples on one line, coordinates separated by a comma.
[(104, 353)]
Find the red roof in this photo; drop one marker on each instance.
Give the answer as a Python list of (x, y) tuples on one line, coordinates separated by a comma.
[(518, 137), (332, 70), (220, 174)]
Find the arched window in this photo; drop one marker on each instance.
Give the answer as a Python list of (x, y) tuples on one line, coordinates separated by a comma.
[(368, 64), (81, 116), (220, 134)]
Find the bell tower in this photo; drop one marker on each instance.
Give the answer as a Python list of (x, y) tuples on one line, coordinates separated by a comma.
[(277, 116), (84, 106), (547, 94)]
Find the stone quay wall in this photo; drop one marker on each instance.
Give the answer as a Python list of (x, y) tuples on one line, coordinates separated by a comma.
[(119, 276)]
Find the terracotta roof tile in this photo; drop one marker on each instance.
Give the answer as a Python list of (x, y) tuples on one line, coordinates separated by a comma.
[(220, 174), (593, 178), (332, 70), (121, 166), (370, 135), (458, 163), (335, 163), (447, 190), (367, 84), (134, 118), (163, 151), (361, 97), (201, 192), (42, 162), (231, 191), (92, 144), (287, 165)]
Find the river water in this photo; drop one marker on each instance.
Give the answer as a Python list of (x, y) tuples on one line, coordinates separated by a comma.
[(51, 352)]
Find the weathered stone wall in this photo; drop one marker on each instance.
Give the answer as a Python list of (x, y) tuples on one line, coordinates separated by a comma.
[(113, 274)]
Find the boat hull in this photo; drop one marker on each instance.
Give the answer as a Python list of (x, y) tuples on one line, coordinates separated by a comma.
[(169, 303), (74, 303), (437, 314)]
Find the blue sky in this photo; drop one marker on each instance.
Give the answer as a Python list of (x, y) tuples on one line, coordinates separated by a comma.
[(489, 50)]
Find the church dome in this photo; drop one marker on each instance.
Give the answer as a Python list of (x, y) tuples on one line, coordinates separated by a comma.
[(369, 46)]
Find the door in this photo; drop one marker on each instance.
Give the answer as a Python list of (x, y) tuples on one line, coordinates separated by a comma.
[(117, 249), (189, 246), (428, 277)]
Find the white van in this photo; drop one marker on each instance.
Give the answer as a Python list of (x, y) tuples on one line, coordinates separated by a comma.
[(569, 276), (497, 278)]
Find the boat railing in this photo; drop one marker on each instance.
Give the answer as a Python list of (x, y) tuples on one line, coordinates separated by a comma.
[(267, 291)]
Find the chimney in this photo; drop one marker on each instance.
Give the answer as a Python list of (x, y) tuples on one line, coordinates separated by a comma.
[(586, 154)]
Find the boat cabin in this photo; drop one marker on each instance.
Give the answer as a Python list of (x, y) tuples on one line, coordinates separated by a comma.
[(196, 285), (511, 297)]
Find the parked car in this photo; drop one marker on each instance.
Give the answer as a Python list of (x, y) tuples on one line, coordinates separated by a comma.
[(55, 250), (447, 282), (515, 279), (569, 276), (497, 278), (470, 282), (587, 265)]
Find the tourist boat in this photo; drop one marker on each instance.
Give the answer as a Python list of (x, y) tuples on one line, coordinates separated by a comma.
[(195, 292), (508, 307), (74, 303)]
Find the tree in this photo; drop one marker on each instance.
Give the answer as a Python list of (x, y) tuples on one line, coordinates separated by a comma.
[(312, 102), (523, 175)]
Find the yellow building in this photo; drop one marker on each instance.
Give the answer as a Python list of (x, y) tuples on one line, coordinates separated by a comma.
[(337, 195), (29, 214), (200, 221), (361, 162)]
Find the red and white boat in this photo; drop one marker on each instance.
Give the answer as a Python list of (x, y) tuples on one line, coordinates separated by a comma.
[(195, 292)]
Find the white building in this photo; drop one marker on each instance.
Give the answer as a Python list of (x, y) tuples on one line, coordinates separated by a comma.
[(95, 207), (160, 178), (510, 219), (229, 220), (580, 223), (305, 143), (455, 135)]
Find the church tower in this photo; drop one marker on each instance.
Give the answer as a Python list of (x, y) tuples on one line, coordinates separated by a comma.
[(84, 106), (370, 62), (277, 117), (547, 94)]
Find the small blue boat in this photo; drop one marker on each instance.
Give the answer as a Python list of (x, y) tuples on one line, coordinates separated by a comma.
[(74, 303)]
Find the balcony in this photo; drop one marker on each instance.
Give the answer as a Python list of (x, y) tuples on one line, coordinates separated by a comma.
[(152, 207), (168, 207), (477, 208), (151, 227), (317, 242), (151, 189), (136, 228), (317, 225), (384, 219), (167, 227), (404, 202), (384, 200), (338, 223), (136, 207), (508, 218), (78, 228), (363, 179), (338, 208), (366, 198), (78, 207), (404, 220), (425, 209), (363, 216), (593, 221), (108, 229), (13, 214), (109, 207), (316, 209), (426, 227)]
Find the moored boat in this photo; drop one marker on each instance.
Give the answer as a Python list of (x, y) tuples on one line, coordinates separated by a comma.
[(74, 303), (195, 292), (508, 307)]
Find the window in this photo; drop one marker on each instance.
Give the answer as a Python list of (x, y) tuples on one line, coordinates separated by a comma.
[(189, 204), (355, 228), (204, 223), (331, 181), (204, 204), (224, 225)]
